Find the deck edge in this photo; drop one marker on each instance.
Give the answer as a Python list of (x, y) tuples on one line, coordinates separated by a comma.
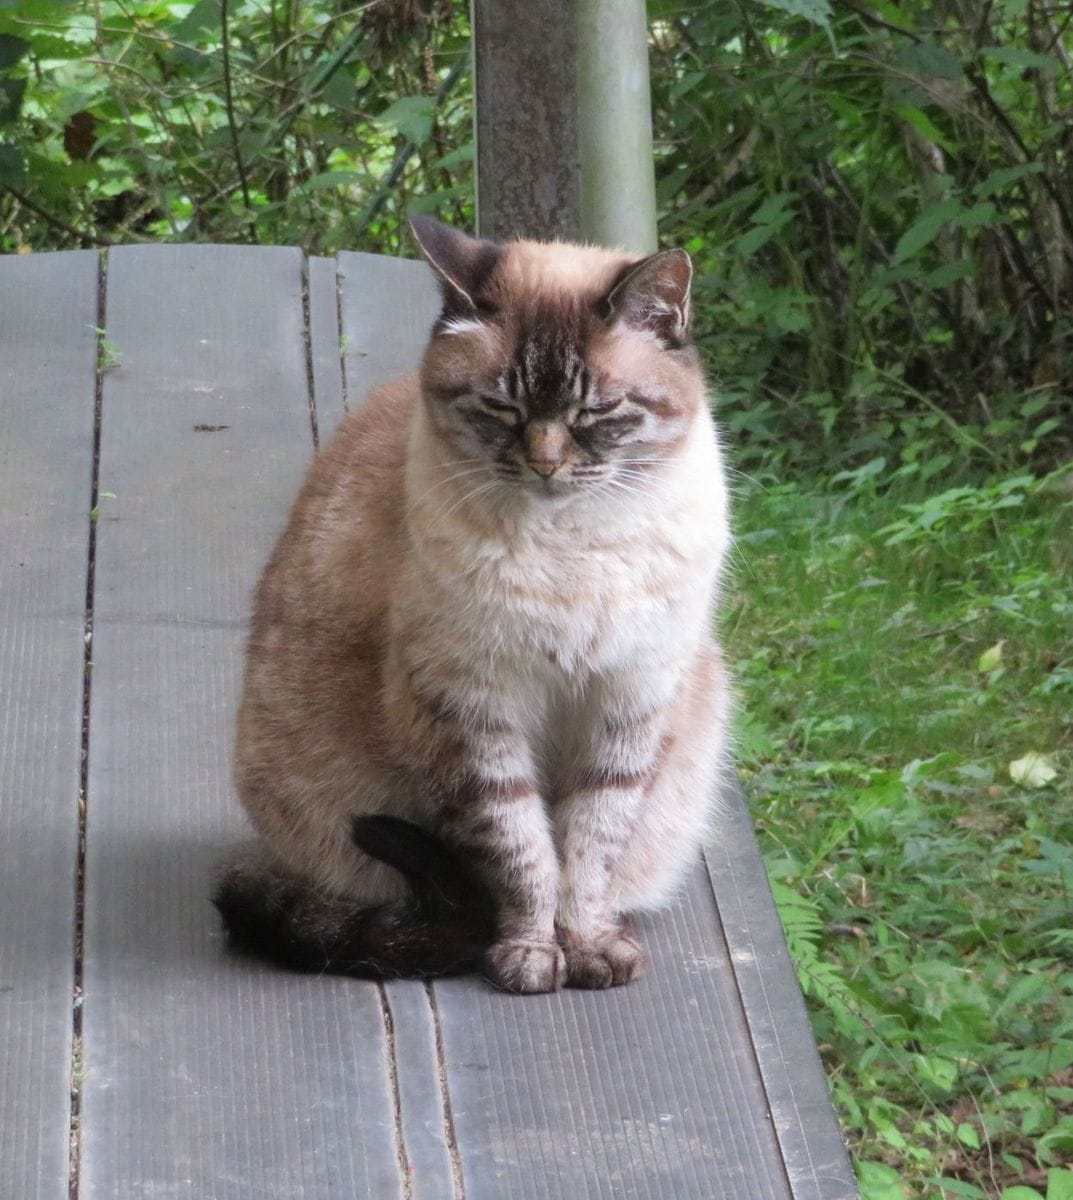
[(810, 1139)]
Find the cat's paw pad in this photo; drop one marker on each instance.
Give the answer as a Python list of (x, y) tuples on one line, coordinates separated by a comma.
[(604, 964), (526, 967)]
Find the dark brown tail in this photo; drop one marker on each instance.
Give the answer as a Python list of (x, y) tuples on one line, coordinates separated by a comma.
[(443, 928)]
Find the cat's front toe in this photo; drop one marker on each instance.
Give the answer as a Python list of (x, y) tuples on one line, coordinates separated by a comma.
[(526, 967), (604, 964)]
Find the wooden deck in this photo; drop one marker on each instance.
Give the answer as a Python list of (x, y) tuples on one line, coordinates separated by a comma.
[(140, 1060)]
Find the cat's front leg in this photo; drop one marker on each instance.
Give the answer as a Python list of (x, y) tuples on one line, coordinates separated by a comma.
[(614, 767), (483, 777)]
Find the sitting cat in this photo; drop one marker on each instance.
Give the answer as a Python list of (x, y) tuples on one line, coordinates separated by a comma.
[(483, 712)]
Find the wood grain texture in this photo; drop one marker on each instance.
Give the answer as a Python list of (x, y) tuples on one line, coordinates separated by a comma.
[(647, 1092), (206, 1076), (48, 308), (809, 1139), (387, 307), (325, 345)]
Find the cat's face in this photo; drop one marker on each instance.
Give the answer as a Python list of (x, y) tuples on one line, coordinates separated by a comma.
[(561, 370)]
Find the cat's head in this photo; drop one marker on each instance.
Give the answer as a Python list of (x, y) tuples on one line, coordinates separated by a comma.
[(563, 368)]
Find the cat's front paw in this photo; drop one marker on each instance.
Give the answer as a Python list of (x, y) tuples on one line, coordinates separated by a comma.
[(521, 966), (609, 962)]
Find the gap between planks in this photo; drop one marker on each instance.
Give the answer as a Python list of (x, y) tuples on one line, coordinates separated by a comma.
[(405, 1169), (457, 1180), (307, 343), (77, 1055)]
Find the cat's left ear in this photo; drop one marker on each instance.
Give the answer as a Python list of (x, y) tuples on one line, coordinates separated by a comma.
[(652, 296)]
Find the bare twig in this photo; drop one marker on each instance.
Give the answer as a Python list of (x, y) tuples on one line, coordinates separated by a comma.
[(229, 105), (86, 239)]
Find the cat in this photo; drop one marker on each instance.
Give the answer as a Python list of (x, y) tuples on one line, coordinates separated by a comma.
[(484, 713)]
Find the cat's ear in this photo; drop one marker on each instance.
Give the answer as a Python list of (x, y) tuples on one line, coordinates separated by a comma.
[(462, 263), (652, 296)]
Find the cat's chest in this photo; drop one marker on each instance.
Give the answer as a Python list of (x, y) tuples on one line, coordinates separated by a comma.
[(569, 602)]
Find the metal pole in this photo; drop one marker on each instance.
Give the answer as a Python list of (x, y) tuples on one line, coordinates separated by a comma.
[(618, 186)]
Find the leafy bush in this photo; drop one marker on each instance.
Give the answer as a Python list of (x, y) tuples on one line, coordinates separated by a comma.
[(879, 205), (313, 123)]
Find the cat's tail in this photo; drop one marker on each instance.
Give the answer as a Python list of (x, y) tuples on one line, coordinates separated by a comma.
[(443, 928)]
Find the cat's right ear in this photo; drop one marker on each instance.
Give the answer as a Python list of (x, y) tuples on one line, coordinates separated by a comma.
[(463, 264)]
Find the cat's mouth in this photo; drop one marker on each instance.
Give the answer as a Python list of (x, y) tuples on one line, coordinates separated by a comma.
[(554, 487)]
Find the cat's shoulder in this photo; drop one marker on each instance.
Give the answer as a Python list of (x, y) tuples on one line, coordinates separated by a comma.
[(377, 427)]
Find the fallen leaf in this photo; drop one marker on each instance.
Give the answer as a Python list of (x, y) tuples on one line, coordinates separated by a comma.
[(1034, 770), (990, 659)]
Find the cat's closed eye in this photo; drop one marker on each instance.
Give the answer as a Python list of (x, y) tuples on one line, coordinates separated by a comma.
[(593, 412), (502, 409)]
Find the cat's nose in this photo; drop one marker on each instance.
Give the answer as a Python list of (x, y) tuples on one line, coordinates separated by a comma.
[(543, 468)]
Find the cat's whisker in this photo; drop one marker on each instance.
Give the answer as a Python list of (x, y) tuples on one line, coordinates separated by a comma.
[(644, 484), (478, 491), (442, 483)]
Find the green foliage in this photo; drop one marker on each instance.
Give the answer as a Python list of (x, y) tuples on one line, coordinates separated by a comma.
[(891, 686), (877, 198), (310, 122)]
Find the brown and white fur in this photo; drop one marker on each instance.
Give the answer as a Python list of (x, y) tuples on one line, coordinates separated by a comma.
[(490, 616)]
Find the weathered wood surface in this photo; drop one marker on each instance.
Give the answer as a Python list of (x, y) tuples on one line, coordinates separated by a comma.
[(206, 1076), (48, 310)]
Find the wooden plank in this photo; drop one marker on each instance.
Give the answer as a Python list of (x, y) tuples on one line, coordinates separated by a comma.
[(528, 181), (48, 308), (650, 1092), (809, 1138), (205, 1075), (387, 307), (325, 345)]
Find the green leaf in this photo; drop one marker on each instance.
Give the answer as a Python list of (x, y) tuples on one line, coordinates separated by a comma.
[(923, 124), (879, 1182), (926, 228), (339, 90), (967, 1135), (977, 216), (752, 239), (1059, 1184), (331, 179), (926, 60), (1034, 770), (11, 92), (203, 18), (992, 658), (11, 50), (816, 11), (412, 116), (958, 1187), (12, 165), (1015, 56), (997, 181), (1020, 1193)]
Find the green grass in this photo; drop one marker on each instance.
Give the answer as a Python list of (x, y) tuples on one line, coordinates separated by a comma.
[(895, 656)]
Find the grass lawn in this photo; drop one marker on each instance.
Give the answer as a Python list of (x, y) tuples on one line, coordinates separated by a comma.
[(906, 739)]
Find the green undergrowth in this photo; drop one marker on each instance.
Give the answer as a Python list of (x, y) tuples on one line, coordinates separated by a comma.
[(905, 664)]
